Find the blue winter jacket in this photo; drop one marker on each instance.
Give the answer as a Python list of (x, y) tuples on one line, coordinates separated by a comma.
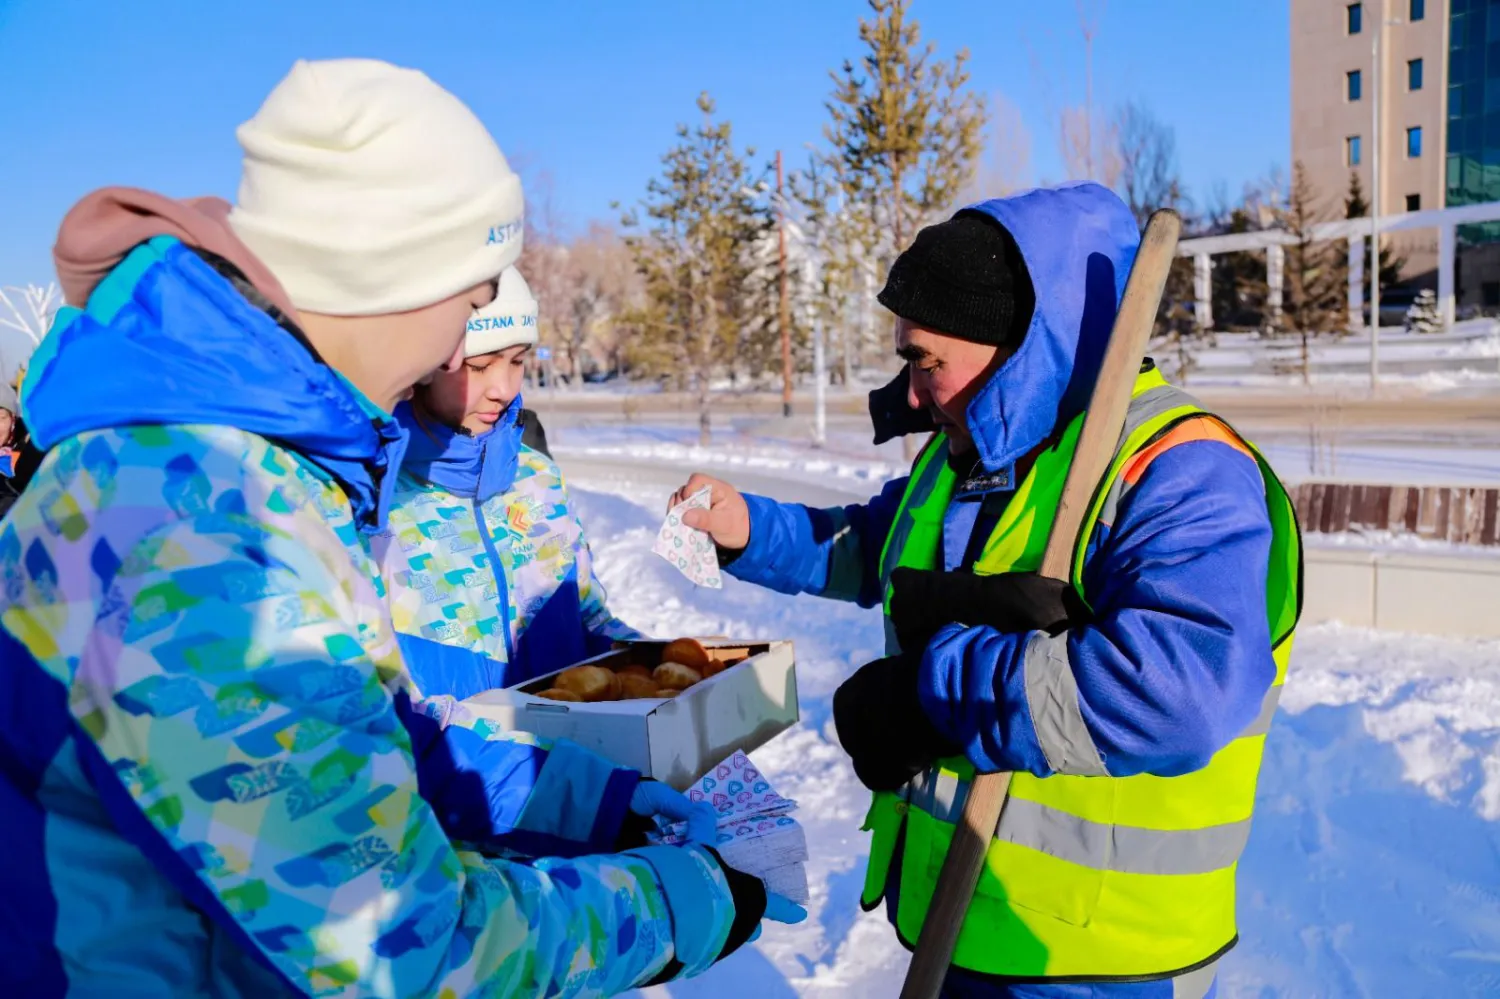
[(1177, 658), (213, 778), (490, 576)]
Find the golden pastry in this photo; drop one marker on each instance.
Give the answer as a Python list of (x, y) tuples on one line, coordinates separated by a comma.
[(634, 687), (634, 669), (678, 676), (558, 695), (687, 651), (591, 683)]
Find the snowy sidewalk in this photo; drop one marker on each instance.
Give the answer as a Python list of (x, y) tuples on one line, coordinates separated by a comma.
[(1373, 868)]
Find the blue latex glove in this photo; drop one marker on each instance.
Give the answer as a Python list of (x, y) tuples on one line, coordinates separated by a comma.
[(780, 909), (655, 800)]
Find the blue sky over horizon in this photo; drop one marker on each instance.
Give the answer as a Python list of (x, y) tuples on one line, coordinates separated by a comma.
[(149, 93)]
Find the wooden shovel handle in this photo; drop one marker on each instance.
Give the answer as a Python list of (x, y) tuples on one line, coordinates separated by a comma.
[(1096, 446)]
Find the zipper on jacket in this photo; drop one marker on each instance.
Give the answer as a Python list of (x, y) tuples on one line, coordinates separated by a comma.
[(498, 570)]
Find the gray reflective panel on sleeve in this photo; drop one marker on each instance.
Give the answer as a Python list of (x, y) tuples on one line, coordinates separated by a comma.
[(1052, 695)]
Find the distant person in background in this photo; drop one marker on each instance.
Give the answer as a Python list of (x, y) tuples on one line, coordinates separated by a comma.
[(489, 572), (19, 457)]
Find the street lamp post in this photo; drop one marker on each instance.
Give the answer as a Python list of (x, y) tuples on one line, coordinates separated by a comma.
[(1375, 200), (1376, 86)]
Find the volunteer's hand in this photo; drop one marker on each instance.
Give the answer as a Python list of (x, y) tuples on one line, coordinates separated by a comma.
[(652, 799), (752, 904), (882, 726), (780, 909), (924, 600), (727, 520)]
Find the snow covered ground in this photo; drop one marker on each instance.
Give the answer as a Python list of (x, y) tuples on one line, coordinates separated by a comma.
[(1374, 867)]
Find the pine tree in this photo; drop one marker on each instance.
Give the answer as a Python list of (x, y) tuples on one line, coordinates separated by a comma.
[(1239, 289), (1423, 316), (1314, 298), (1391, 264), (904, 131), (690, 249)]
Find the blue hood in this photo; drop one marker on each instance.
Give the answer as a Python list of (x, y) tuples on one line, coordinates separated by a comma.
[(166, 339), (1078, 242), (474, 467)]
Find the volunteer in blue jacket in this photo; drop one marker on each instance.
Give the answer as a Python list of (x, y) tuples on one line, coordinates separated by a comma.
[(490, 576), (214, 779), (1132, 702)]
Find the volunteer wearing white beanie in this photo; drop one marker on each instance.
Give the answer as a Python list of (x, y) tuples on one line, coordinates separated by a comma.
[(369, 189), (508, 321), (203, 652), (386, 212), (518, 594)]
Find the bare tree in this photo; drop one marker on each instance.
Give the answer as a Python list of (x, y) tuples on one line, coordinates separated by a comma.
[(1149, 177), (1005, 165), (607, 287), (29, 309), (1089, 146)]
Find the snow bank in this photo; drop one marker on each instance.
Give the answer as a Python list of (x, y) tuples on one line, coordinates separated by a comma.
[(1373, 869)]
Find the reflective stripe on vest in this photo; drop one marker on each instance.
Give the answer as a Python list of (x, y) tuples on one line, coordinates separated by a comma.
[(1089, 876)]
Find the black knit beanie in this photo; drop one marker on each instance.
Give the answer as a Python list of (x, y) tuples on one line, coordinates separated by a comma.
[(963, 277)]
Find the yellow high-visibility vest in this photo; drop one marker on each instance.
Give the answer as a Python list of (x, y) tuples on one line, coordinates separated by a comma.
[(1088, 877)]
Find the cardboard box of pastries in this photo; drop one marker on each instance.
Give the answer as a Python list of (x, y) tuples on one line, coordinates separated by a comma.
[(671, 710)]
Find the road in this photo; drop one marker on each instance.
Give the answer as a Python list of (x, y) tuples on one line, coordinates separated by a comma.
[(596, 473)]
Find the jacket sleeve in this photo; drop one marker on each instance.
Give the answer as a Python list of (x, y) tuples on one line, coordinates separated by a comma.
[(1176, 660), (249, 744), (832, 552), (509, 791)]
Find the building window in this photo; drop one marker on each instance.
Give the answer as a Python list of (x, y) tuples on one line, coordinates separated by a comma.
[(1352, 82), (1413, 74), (1355, 12), (1414, 142), (1414, 202), (1417, 11), (1351, 150)]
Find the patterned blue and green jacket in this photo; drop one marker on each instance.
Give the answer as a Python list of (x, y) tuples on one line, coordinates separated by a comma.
[(490, 575), (212, 778)]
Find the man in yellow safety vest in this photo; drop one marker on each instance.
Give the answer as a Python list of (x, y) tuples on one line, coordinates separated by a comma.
[(1132, 701)]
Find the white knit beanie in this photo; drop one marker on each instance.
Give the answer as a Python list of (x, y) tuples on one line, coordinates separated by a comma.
[(368, 189), (508, 320)]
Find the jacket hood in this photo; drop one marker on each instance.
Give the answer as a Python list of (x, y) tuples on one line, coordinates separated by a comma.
[(474, 467), (1078, 242), (168, 338)]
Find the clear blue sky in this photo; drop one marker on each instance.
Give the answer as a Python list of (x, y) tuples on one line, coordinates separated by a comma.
[(148, 92)]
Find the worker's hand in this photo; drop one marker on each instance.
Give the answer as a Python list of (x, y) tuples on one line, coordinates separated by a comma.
[(727, 520), (882, 726), (924, 600)]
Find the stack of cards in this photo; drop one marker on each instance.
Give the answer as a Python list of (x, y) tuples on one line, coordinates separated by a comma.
[(757, 834)]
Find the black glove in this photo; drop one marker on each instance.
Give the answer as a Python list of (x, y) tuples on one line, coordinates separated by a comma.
[(749, 895), (890, 414), (882, 726), (924, 600)]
